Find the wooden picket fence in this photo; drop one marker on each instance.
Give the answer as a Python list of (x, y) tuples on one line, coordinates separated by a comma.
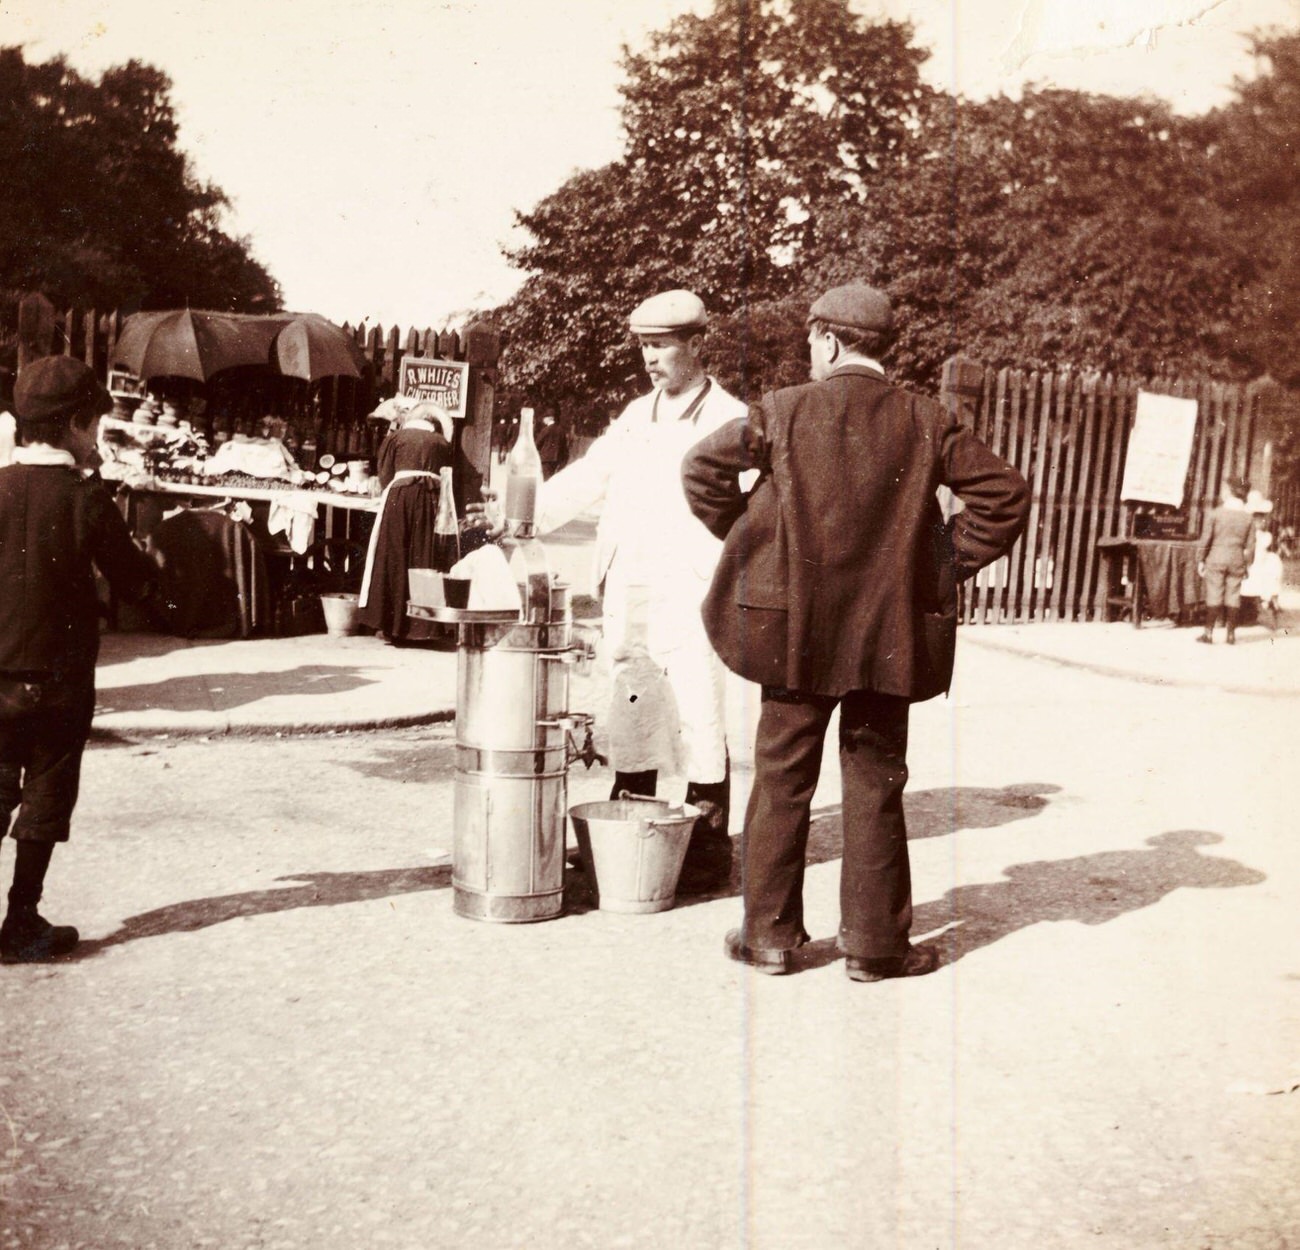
[(1067, 433)]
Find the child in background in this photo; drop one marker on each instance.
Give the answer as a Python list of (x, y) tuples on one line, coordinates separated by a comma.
[(1226, 548), (55, 526), (1263, 580)]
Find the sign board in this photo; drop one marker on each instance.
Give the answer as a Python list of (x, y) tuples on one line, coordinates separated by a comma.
[(445, 382), (1159, 449), (120, 382)]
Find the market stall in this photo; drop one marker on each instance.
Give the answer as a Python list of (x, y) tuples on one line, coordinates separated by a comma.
[(272, 527)]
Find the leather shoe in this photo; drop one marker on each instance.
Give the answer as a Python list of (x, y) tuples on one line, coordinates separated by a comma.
[(28, 938), (915, 963), (774, 963)]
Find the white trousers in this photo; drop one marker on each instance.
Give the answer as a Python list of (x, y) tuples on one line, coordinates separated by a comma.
[(667, 705)]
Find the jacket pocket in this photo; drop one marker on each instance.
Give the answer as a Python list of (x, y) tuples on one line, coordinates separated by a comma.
[(758, 542), (936, 650)]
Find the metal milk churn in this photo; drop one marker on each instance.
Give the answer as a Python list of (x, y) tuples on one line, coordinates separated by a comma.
[(514, 742)]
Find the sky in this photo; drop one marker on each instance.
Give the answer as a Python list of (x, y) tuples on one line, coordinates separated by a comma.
[(375, 153)]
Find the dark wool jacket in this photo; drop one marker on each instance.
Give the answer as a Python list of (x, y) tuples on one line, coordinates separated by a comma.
[(838, 571), (1228, 540), (412, 449), (54, 525)]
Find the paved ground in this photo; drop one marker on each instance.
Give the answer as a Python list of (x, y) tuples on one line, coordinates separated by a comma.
[(278, 1034), (151, 684)]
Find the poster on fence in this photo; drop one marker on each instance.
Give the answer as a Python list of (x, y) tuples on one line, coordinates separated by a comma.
[(445, 382), (1159, 449)]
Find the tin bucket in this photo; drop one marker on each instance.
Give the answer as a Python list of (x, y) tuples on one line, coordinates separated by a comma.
[(340, 614), (632, 850)]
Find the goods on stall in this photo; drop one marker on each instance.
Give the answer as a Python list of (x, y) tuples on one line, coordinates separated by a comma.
[(139, 455), (135, 452), (261, 458)]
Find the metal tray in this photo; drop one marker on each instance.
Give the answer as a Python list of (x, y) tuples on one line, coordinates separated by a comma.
[(462, 616)]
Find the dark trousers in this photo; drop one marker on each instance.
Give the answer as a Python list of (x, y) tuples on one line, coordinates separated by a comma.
[(40, 762), (875, 877)]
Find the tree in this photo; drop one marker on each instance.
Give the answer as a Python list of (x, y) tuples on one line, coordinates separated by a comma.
[(99, 207), (1256, 166), (741, 126), (1061, 228), (775, 149)]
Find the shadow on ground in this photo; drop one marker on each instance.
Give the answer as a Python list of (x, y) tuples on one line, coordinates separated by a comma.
[(219, 692), (423, 753), (1089, 889), (930, 814), (316, 889)]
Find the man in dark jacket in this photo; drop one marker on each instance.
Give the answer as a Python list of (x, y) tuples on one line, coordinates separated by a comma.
[(838, 587), (54, 525)]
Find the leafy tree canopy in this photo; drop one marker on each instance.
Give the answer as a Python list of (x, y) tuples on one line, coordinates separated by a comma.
[(98, 206), (774, 148), (740, 126)]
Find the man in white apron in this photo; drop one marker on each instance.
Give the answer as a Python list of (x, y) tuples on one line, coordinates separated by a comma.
[(656, 562)]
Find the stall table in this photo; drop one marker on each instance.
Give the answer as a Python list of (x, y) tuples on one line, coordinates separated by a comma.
[(337, 540), (1159, 574)]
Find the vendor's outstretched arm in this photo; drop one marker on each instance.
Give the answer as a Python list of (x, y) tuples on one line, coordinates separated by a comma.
[(581, 484)]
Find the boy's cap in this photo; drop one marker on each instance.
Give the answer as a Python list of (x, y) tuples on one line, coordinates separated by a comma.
[(855, 306), (669, 313), (56, 387)]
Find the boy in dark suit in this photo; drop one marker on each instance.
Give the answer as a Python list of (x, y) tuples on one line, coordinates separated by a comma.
[(55, 525), (1224, 554), (837, 587)]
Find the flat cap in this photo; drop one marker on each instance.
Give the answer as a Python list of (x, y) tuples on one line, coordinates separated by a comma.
[(56, 387), (855, 306), (668, 313)]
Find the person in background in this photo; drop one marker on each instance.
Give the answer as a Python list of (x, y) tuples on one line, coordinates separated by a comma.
[(1225, 551), (552, 446), (56, 526), (654, 561), (8, 437), (410, 456), (837, 588), (1263, 580), (8, 424)]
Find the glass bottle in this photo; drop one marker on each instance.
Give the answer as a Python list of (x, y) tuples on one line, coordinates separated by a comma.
[(446, 526), (523, 478)]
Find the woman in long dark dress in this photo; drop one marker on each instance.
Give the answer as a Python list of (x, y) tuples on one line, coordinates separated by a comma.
[(403, 537)]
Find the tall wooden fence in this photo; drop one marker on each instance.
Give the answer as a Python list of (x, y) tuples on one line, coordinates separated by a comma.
[(1067, 433)]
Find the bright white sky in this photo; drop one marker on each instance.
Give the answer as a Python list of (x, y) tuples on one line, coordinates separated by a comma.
[(375, 151)]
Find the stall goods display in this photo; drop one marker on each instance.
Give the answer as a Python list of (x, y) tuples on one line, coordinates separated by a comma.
[(140, 455), (134, 452)]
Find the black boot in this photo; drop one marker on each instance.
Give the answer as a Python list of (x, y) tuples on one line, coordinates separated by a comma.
[(707, 866), (639, 785), (1207, 634), (1232, 626), (27, 937)]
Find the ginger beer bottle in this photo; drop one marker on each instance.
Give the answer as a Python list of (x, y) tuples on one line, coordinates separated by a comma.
[(523, 478), (446, 526)]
